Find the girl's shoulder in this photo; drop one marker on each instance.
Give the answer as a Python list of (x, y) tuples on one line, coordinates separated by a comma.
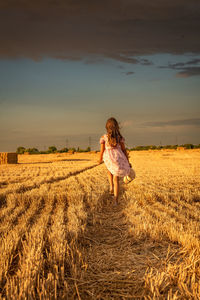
[(103, 138)]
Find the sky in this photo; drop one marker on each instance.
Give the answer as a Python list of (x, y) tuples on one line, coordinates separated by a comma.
[(67, 66)]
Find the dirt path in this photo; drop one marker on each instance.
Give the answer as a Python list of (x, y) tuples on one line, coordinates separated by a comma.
[(116, 262), (111, 259)]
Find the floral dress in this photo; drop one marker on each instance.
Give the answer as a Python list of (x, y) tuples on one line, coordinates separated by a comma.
[(114, 158)]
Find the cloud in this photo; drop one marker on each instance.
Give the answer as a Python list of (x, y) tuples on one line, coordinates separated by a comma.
[(184, 122), (188, 72), (146, 62), (193, 61), (94, 60), (122, 58), (122, 30), (185, 69), (128, 73), (176, 66)]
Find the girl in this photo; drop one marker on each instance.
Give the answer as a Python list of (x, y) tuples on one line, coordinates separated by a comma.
[(114, 155)]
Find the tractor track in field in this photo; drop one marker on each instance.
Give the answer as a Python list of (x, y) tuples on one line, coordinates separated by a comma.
[(18, 250), (23, 189)]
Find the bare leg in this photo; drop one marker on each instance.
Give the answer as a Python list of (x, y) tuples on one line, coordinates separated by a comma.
[(116, 188), (110, 178)]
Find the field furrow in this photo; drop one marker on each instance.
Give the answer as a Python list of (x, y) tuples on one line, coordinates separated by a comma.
[(30, 185), (13, 237), (31, 261)]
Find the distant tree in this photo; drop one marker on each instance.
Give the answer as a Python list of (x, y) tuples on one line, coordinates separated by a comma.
[(168, 147), (32, 150), (160, 147), (153, 147), (80, 150), (196, 146), (64, 150), (20, 150), (188, 146), (139, 148), (35, 150), (43, 152), (52, 149)]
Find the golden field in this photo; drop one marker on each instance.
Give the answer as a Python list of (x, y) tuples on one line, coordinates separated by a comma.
[(62, 238)]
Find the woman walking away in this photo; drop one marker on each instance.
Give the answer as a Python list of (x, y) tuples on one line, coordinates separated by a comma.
[(114, 155)]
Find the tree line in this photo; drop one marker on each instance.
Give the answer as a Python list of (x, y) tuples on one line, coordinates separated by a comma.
[(53, 149), (153, 147)]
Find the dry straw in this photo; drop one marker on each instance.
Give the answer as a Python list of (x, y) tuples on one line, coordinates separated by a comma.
[(62, 237)]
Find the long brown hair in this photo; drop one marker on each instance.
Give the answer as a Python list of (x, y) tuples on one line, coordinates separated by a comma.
[(114, 135)]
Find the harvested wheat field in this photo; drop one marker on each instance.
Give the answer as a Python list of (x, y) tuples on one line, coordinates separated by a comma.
[(62, 238)]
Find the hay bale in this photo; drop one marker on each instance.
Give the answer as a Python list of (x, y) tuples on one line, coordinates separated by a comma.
[(8, 158)]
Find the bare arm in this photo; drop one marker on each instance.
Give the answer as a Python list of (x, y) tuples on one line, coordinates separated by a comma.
[(124, 150), (101, 153)]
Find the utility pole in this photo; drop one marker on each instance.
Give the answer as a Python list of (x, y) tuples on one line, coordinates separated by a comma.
[(90, 141), (67, 143)]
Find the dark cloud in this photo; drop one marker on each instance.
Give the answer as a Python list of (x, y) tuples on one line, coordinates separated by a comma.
[(128, 73), (193, 61), (122, 58), (180, 65), (145, 62), (185, 122), (188, 72), (119, 29), (185, 69)]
